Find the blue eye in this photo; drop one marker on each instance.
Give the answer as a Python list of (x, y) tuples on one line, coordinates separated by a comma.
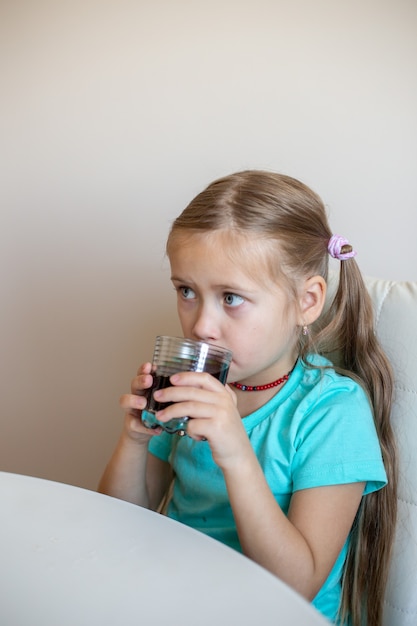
[(231, 299), (187, 293)]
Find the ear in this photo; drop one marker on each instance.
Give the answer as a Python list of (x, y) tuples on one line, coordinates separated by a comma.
[(311, 300)]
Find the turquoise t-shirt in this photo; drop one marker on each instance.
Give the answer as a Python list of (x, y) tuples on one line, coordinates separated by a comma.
[(317, 430)]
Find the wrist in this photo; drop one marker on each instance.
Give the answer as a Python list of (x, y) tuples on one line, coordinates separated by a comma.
[(241, 467)]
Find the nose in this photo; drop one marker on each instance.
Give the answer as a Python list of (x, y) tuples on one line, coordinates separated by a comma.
[(206, 325)]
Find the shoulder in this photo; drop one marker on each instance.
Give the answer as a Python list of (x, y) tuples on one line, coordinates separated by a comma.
[(320, 383), (313, 392), (330, 404)]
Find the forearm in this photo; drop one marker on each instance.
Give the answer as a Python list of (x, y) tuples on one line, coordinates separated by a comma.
[(125, 474), (265, 533)]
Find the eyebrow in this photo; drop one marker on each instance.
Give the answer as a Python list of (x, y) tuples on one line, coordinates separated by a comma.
[(230, 288)]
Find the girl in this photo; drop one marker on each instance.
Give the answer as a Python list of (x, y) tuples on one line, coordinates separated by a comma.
[(293, 462)]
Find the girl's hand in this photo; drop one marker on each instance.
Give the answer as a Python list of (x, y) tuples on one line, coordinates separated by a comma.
[(131, 473), (212, 408), (134, 403)]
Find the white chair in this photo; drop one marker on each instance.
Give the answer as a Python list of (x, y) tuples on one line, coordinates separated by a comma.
[(395, 306)]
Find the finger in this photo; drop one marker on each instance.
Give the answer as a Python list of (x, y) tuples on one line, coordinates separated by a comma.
[(138, 431), (141, 383), (195, 430), (196, 409), (196, 379), (130, 402), (145, 368), (137, 426), (191, 394)]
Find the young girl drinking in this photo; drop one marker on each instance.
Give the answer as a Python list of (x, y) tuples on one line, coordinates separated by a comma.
[(293, 461)]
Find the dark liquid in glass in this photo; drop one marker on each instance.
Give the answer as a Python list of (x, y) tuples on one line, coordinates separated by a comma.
[(161, 382)]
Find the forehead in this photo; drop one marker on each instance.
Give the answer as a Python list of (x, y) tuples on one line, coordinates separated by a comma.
[(251, 255)]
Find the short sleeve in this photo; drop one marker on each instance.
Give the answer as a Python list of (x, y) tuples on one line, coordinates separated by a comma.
[(336, 442)]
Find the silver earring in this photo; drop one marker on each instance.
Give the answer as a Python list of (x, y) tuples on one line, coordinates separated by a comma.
[(305, 330)]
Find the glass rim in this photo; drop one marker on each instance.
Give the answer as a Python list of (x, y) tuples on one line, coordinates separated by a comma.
[(184, 341)]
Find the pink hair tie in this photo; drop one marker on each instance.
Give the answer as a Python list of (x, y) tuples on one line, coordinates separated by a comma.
[(335, 246)]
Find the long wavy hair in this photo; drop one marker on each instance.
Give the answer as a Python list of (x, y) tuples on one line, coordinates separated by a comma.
[(292, 218)]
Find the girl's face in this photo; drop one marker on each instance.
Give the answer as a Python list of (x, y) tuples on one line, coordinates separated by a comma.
[(221, 301)]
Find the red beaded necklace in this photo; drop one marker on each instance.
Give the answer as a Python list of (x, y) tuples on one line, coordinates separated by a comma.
[(277, 382)]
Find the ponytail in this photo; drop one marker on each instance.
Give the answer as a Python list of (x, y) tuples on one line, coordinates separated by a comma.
[(348, 326)]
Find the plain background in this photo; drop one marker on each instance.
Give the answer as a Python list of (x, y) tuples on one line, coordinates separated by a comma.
[(113, 115)]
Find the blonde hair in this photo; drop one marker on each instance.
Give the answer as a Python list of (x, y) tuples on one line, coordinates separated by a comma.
[(286, 212)]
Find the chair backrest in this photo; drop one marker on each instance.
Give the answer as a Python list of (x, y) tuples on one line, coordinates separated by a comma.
[(395, 306)]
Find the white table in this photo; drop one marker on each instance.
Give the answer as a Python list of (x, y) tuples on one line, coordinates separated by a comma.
[(73, 557)]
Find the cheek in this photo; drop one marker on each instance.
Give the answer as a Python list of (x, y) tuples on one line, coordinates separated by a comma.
[(248, 346), (181, 316), (184, 308), (185, 320)]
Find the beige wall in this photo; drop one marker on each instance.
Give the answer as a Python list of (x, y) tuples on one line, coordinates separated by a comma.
[(114, 113)]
